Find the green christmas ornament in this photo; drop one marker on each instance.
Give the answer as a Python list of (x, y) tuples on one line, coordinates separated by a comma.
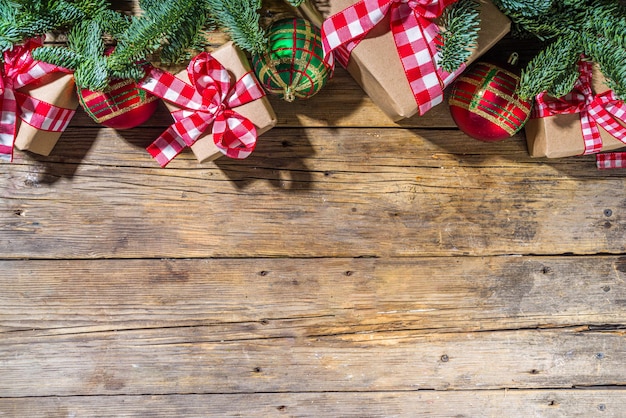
[(292, 67)]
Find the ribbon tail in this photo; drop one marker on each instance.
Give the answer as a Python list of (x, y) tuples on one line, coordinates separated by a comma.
[(412, 42), (611, 160), (8, 119), (234, 135), (591, 134), (175, 139)]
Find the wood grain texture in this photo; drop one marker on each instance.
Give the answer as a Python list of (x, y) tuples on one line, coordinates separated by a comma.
[(232, 326), (348, 192), (484, 403), (351, 266), (310, 297), (197, 360)]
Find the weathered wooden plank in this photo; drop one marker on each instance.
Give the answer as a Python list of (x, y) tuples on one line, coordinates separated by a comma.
[(196, 360), (473, 403), (319, 192), (309, 297)]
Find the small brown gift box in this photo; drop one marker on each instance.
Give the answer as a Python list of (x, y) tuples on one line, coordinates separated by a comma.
[(259, 111), (57, 89), (374, 63), (561, 135)]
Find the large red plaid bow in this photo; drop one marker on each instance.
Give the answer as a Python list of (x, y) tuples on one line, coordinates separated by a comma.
[(604, 109), (208, 102), (414, 32), (19, 70)]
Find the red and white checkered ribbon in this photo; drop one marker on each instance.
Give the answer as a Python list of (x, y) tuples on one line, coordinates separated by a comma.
[(19, 70), (608, 110), (604, 110), (610, 160), (207, 103), (415, 34)]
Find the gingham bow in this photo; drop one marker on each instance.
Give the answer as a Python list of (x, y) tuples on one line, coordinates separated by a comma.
[(604, 110), (414, 32), (19, 70), (208, 102)]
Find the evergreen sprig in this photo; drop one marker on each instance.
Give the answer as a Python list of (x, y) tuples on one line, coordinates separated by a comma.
[(594, 29), (460, 23), (171, 26), (84, 54), (85, 50), (167, 26), (554, 69), (24, 19), (241, 20)]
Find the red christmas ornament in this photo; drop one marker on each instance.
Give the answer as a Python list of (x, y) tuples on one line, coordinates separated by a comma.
[(484, 105), (123, 106)]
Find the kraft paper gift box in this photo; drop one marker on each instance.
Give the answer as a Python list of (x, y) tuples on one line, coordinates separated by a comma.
[(259, 111), (375, 65), (561, 135), (57, 89)]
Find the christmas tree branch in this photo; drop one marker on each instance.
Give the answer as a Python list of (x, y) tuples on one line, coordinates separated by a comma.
[(554, 69), (24, 19), (595, 29), (175, 22), (459, 33), (241, 19)]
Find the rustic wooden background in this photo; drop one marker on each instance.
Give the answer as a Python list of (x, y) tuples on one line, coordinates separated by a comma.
[(350, 267)]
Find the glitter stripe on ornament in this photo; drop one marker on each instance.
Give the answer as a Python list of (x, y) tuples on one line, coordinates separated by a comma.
[(120, 99)]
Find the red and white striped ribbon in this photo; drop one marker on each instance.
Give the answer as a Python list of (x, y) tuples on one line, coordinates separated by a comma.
[(414, 32), (207, 103), (18, 70)]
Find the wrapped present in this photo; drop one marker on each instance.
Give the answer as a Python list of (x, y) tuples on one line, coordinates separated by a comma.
[(218, 106), (37, 102), (587, 120), (389, 47)]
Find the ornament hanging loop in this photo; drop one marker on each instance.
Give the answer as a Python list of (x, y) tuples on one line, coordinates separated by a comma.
[(289, 94), (513, 59)]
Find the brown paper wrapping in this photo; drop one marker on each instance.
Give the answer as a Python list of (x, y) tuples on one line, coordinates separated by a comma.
[(57, 89), (375, 65), (259, 111), (561, 136)]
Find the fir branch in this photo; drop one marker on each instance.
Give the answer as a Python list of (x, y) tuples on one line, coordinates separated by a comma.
[(21, 20), (113, 23), (240, 19), (147, 33), (187, 39), (526, 8), (84, 54), (612, 60), (553, 70), (460, 23), (59, 56), (544, 19)]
